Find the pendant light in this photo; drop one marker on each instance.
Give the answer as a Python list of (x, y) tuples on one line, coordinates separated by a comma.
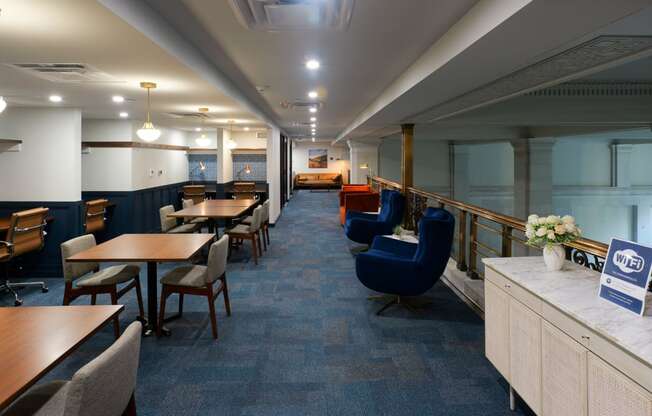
[(202, 140), (148, 132), (231, 144), (3, 104)]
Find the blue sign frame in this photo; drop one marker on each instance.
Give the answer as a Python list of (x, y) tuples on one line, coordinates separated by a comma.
[(626, 275)]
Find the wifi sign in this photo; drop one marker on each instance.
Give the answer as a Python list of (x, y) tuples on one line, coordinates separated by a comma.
[(628, 261)]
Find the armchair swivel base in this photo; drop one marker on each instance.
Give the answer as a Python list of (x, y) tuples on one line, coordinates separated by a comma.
[(411, 304)]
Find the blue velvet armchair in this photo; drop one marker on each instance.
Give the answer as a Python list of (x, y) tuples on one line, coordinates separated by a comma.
[(399, 268), (362, 227)]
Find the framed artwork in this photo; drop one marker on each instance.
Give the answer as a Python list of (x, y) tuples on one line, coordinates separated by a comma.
[(317, 158)]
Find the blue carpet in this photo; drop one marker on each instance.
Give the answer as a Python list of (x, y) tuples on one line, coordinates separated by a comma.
[(303, 339)]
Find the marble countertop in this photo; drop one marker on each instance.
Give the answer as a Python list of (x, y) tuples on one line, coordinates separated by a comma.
[(574, 291)]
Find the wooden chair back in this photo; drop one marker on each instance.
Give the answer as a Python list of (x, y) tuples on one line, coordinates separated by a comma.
[(95, 219), (244, 195), (195, 192), (27, 231)]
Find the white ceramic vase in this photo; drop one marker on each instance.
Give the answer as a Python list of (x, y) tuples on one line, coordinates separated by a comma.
[(554, 256)]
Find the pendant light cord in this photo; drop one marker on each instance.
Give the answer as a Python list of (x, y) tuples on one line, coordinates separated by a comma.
[(148, 105)]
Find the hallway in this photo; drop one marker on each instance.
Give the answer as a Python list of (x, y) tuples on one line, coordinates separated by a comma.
[(303, 339)]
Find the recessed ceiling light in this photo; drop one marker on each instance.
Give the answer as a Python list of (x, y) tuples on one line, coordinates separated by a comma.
[(313, 125), (313, 109), (312, 64), (312, 94), (313, 139), (246, 129), (197, 128), (124, 114), (313, 118), (118, 99), (313, 133), (56, 98)]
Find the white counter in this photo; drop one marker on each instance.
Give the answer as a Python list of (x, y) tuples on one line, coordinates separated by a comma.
[(574, 291)]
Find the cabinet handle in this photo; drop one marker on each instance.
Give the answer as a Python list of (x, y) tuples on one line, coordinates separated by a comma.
[(507, 286), (586, 337)]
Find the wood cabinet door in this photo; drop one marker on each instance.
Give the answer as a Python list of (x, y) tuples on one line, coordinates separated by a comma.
[(525, 353), (612, 393), (496, 327), (563, 369)]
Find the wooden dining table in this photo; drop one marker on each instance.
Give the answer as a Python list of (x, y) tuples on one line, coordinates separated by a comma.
[(36, 339), (149, 248), (216, 209)]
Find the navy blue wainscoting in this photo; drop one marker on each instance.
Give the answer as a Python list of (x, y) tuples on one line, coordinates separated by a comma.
[(67, 224), (137, 211)]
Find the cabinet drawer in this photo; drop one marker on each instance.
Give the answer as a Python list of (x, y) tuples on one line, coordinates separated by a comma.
[(513, 289)]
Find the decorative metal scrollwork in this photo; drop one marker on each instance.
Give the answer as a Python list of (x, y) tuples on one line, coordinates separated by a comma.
[(417, 205), (592, 261)]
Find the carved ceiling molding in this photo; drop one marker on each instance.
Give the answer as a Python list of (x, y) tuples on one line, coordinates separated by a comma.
[(556, 69), (596, 89)]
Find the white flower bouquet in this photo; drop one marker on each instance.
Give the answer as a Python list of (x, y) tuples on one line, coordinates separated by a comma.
[(551, 230)]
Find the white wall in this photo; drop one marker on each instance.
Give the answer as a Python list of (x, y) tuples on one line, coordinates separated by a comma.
[(113, 169), (274, 173), (48, 167), (300, 158), (248, 140)]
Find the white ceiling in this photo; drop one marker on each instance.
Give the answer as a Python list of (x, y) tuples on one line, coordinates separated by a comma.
[(83, 31), (383, 39)]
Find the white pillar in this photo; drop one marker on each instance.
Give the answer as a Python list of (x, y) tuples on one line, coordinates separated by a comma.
[(620, 165), (532, 176), (274, 173), (461, 173), (362, 154)]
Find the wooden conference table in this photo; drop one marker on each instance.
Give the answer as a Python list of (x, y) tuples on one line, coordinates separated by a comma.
[(36, 339), (216, 209), (150, 248)]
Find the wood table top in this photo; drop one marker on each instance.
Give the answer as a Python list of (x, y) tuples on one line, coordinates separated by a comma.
[(210, 209), (145, 247), (35, 339), (230, 202)]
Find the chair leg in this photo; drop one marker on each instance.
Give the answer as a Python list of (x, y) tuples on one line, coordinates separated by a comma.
[(254, 249), (116, 321), (161, 315), (139, 298), (262, 232), (180, 305), (267, 233), (227, 302), (211, 310), (260, 246)]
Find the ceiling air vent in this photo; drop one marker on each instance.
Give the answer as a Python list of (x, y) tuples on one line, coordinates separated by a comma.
[(301, 105), (191, 115), (286, 15), (261, 135), (65, 72)]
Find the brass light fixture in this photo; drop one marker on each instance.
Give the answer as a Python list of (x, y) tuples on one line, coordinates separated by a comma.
[(202, 140), (148, 132)]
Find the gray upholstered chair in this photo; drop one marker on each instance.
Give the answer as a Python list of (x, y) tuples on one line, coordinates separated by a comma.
[(264, 223), (199, 280), (169, 224), (87, 278), (248, 232), (103, 387), (187, 203)]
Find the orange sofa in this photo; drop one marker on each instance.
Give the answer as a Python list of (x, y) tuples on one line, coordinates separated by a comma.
[(357, 198), (317, 180)]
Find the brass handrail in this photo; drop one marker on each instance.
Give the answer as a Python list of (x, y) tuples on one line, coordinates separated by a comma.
[(582, 247)]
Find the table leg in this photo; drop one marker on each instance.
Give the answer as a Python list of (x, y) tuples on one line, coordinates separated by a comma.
[(152, 301)]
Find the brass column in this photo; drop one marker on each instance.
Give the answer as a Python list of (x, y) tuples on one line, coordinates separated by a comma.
[(407, 170)]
